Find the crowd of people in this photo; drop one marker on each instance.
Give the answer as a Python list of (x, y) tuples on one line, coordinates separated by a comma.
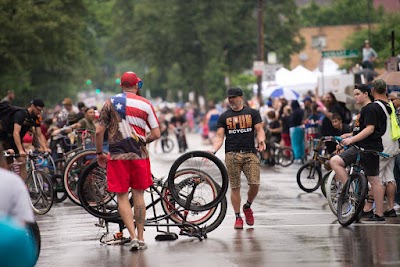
[(132, 122)]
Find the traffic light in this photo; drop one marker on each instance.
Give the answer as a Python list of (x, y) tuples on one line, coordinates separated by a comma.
[(98, 91), (88, 81), (118, 81)]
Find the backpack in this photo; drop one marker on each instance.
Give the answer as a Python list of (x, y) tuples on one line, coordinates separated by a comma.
[(7, 112)]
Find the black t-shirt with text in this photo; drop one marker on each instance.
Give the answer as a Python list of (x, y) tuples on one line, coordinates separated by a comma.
[(371, 114), (26, 120), (239, 128)]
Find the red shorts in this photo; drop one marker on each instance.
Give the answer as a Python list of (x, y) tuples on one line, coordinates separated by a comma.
[(122, 174)]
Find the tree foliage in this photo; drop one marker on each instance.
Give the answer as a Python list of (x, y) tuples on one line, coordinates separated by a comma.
[(341, 12)]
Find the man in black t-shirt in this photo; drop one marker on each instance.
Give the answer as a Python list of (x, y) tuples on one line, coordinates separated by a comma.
[(21, 122), (240, 125)]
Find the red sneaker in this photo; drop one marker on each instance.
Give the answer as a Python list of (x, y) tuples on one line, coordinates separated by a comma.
[(248, 213), (238, 223)]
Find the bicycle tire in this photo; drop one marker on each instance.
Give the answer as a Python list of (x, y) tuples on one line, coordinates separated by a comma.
[(73, 170), (313, 176), (206, 163), (169, 206), (351, 199), (34, 232), (333, 187), (41, 191), (285, 156), (168, 145), (59, 190), (324, 182), (94, 195)]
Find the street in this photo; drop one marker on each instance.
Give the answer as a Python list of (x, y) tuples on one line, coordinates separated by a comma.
[(292, 228)]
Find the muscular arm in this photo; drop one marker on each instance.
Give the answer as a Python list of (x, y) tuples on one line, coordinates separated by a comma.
[(17, 137), (260, 136), (218, 140), (41, 138), (367, 131), (155, 133)]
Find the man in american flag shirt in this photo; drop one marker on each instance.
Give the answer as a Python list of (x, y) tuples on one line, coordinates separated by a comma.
[(126, 117)]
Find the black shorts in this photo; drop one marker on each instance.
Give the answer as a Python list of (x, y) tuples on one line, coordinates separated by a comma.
[(369, 162)]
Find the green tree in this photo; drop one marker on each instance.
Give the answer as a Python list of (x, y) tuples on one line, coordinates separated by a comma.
[(341, 12), (381, 36), (207, 40)]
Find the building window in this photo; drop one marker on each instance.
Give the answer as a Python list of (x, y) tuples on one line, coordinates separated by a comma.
[(318, 41)]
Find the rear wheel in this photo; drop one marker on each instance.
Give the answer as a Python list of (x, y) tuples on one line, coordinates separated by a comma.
[(167, 144), (309, 177), (285, 156), (352, 199)]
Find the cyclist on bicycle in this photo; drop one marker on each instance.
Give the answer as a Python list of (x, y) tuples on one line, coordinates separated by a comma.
[(20, 123), (367, 132), (178, 125)]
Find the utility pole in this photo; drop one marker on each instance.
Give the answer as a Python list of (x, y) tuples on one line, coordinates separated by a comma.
[(260, 45)]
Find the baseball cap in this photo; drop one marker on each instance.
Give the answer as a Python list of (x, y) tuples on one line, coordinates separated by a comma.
[(234, 92), (307, 98), (379, 84), (37, 102), (130, 79), (366, 42)]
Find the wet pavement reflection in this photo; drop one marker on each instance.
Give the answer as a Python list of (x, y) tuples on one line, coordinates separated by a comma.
[(292, 228)]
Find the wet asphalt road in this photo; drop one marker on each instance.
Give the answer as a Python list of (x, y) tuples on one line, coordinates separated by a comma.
[(292, 228)]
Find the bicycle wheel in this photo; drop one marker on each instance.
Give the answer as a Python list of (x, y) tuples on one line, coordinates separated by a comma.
[(285, 156), (167, 145), (333, 190), (41, 191), (351, 199), (177, 213), (94, 195), (73, 170), (34, 233), (59, 191), (204, 163), (324, 182), (309, 177)]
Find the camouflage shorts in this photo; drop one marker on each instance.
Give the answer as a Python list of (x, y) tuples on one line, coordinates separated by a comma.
[(237, 162)]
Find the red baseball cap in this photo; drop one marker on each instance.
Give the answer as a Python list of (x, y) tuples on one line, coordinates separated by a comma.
[(130, 79)]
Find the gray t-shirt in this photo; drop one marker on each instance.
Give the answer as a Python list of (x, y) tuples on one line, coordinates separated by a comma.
[(14, 197)]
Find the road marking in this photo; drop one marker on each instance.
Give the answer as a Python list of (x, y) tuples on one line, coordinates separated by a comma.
[(310, 225)]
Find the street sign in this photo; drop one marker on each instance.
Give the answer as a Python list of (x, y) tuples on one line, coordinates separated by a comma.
[(340, 53), (258, 67), (269, 71)]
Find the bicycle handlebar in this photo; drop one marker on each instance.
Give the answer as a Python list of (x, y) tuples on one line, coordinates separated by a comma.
[(338, 139)]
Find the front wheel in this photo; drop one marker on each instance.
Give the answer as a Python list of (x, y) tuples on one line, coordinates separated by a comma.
[(352, 199), (309, 177), (203, 166), (41, 192), (167, 144)]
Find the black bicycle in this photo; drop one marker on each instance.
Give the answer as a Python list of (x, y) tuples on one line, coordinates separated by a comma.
[(354, 192), (309, 175), (192, 198)]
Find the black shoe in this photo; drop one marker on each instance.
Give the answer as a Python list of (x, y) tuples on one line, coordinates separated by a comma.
[(390, 213), (375, 219), (367, 214)]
